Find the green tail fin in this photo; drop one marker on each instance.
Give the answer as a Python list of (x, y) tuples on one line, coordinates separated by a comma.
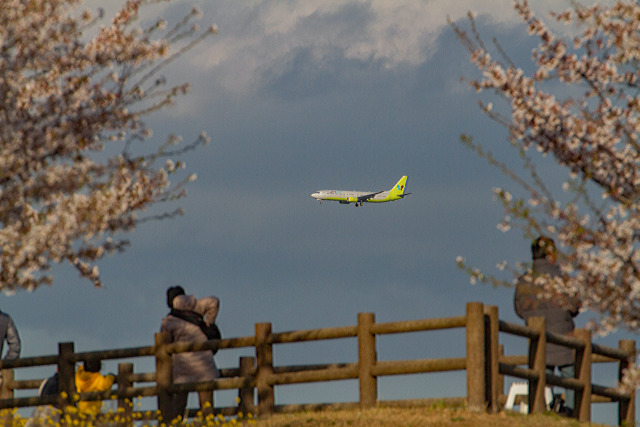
[(398, 189)]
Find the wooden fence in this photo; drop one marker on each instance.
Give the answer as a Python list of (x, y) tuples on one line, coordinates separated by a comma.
[(257, 376)]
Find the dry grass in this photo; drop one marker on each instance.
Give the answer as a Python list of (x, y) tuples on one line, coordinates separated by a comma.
[(439, 414), (397, 417)]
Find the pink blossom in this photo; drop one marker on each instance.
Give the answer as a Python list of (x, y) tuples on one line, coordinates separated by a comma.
[(69, 90), (592, 129)]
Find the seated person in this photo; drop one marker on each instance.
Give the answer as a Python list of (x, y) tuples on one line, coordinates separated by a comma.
[(89, 378)]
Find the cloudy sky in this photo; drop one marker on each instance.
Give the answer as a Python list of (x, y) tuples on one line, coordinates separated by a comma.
[(299, 96)]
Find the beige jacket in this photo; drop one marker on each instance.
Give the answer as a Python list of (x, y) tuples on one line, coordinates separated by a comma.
[(191, 366)]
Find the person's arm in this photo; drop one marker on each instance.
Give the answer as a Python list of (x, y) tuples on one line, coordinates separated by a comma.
[(107, 381), (13, 340), (208, 307)]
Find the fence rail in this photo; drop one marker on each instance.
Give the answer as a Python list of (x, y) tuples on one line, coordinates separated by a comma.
[(484, 363)]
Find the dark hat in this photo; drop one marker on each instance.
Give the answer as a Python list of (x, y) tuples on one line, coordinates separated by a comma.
[(543, 246), (92, 365), (173, 292)]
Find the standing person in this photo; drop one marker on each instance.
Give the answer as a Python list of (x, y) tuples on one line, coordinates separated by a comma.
[(89, 378), (9, 333), (530, 301), (190, 366)]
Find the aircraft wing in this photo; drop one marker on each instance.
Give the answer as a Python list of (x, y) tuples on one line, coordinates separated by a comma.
[(368, 196)]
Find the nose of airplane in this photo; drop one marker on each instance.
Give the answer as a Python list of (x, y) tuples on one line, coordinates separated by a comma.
[(314, 195)]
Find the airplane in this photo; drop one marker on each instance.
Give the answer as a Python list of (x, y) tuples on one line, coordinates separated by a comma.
[(359, 197)]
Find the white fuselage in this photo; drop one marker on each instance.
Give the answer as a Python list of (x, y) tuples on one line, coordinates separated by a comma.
[(350, 196)]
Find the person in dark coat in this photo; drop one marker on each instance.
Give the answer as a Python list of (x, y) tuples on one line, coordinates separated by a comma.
[(558, 311)]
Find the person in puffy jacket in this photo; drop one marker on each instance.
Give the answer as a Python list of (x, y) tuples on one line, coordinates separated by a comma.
[(194, 366), (9, 333), (89, 378)]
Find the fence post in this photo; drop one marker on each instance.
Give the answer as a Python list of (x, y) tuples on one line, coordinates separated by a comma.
[(582, 402), (66, 374), (6, 392), (6, 384), (367, 360), (627, 408), (537, 362), (475, 357), (245, 394), (264, 365), (500, 376), (164, 376), (125, 407), (491, 357)]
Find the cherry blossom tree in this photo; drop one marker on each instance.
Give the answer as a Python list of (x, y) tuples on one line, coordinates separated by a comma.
[(77, 163), (576, 105)]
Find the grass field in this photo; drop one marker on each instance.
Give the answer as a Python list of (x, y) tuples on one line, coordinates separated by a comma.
[(405, 417), (436, 415)]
